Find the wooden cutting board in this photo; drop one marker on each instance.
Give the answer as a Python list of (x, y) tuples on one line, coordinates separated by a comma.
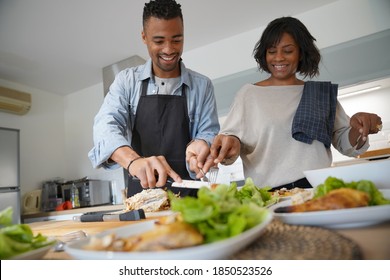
[(58, 228), (376, 153)]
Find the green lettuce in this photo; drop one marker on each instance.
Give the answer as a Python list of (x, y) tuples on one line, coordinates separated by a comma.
[(18, 238)]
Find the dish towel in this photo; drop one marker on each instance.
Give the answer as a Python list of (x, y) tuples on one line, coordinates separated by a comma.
[(315, 115)]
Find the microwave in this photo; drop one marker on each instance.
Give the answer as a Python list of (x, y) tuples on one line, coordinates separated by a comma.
[(91, 192)]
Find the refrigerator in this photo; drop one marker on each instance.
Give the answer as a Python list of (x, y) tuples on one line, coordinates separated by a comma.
[(10, 172)]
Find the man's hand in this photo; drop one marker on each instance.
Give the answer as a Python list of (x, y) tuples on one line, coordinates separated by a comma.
[(197, 157), (225, 149), (153, 171)]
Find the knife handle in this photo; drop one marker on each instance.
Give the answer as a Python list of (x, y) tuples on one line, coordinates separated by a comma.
[(101, 216), (93, 216), (133, 215)]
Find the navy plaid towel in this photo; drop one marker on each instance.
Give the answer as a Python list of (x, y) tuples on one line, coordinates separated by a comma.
[(314, 118)]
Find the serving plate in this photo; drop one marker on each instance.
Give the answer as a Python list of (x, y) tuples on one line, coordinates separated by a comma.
[(36, 254), (375, 171), (216, 250), (343, 218)]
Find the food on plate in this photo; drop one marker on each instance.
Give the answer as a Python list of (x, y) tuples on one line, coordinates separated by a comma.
[(284, 192), (224, 211), (16, 239), (297, 195), (150, 200), (215, 214), (176, 234), (332, 183), (336, 199)]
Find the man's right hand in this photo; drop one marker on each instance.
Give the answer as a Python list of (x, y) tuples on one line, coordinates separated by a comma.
[(153, 171)]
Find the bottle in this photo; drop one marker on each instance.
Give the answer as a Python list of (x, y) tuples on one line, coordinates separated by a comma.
[(74, 196)]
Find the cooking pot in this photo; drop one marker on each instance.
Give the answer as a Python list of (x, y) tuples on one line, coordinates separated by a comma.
[(32, 202)]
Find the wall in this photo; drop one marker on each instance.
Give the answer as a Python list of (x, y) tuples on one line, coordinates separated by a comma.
[(56, 134), (80, 110), (375, 102), (42, 137), (336, 23)]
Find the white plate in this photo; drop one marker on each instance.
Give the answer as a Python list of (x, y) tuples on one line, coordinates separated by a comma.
[(36, 254), (343, 218), (217, 250), (376, 171)]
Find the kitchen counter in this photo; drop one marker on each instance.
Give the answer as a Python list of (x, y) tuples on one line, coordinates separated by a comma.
[(374, 154), (374, 241), (67, 214)]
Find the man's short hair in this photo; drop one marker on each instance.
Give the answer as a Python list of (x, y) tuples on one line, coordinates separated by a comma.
[(162, 9)]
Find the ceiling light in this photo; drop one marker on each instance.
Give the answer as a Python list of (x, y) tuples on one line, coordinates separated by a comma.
[(352, 93)]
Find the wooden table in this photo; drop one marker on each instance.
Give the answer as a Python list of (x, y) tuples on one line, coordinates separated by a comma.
[(374, 240)]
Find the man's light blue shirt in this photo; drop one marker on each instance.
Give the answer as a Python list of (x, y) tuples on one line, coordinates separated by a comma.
[(113, 125)]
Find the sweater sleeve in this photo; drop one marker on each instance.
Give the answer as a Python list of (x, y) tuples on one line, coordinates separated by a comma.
[(341, 135)]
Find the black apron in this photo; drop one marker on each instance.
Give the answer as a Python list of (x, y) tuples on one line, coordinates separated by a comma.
[(161, 127)]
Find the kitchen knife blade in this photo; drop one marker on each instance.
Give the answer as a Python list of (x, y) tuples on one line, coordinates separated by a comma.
[(191, 184)]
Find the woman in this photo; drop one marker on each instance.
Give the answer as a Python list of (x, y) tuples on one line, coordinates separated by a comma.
[(282, 126)]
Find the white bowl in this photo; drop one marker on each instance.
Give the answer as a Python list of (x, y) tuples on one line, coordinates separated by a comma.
[(377, 171)]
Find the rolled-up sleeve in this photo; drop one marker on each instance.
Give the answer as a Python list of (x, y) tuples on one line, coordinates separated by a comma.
[(341, 135), (111, 128)]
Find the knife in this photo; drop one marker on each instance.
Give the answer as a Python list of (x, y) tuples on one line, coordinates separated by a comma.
[(104, 216), (190, 184)]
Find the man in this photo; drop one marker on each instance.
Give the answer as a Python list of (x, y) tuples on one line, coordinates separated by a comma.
[(158, 119)]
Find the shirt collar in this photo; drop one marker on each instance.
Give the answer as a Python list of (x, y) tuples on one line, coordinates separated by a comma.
[(147, 73)]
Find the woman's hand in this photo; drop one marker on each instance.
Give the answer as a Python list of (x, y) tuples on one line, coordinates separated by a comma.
[(225, 149), (362, 125)]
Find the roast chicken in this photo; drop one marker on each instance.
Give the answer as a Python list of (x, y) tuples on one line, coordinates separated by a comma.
[(337, 199), (150, 200)]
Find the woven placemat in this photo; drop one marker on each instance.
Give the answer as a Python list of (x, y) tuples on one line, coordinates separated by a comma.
[(293, 242)]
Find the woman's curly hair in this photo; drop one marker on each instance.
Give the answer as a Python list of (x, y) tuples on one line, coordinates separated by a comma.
[(309, 54)]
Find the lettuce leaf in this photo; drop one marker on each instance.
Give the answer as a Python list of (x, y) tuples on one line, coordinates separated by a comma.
[(18, 238)]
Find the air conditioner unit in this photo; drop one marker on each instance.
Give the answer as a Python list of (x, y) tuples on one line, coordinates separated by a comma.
[(14, 102)]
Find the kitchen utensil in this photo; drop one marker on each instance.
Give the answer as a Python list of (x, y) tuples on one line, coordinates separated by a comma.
[(102, 216), (191, 184), (32, 202), (71, 236), (213, 174), (204, 178)]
